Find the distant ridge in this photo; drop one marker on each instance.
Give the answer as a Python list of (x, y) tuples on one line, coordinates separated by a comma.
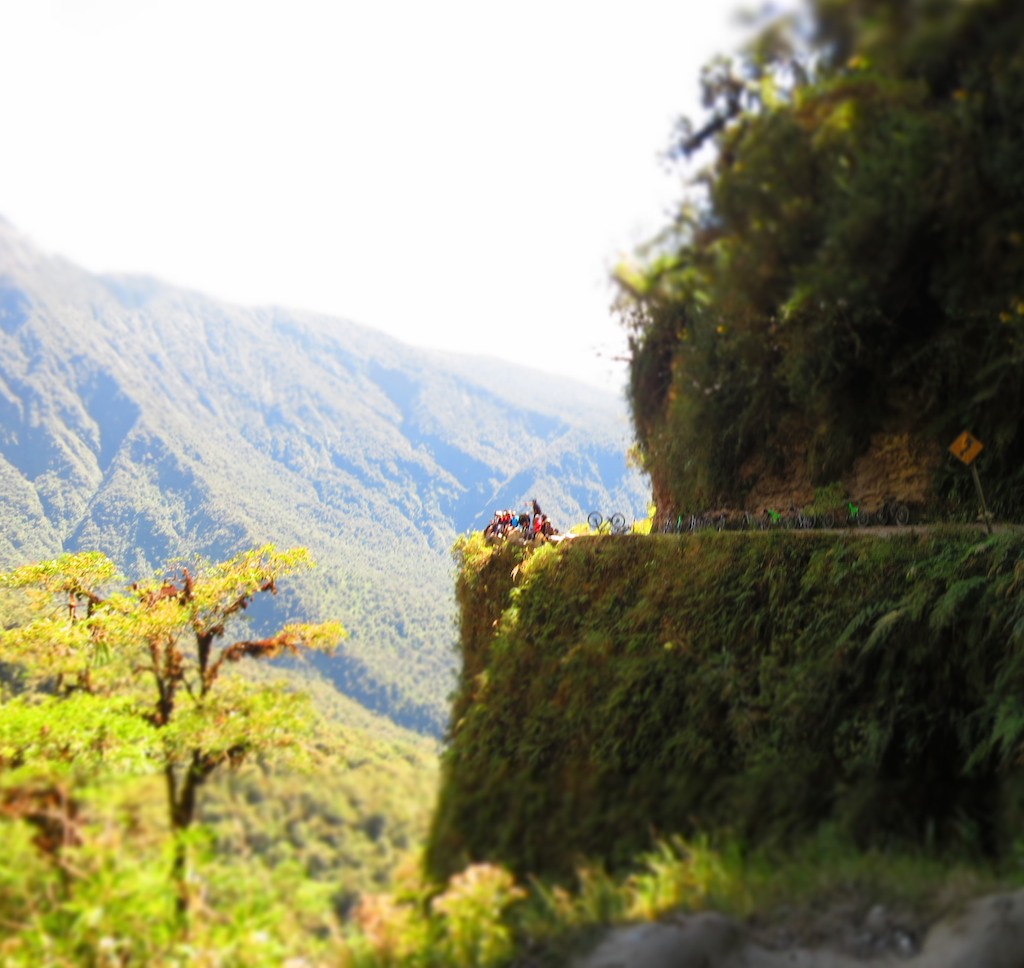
[(151, 422)]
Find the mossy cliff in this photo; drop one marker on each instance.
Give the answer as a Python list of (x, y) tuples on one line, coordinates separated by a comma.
[(616, 689)]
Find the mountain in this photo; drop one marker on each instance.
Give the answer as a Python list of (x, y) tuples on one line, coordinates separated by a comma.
[(150, 422)]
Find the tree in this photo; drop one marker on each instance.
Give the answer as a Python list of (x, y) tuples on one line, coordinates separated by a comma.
[(138, 676), (855, 262)]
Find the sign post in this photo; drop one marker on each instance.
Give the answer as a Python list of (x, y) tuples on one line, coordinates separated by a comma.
[(965, 448)]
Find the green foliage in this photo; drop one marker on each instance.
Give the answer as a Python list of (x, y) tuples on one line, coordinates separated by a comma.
[(550, 924), (281, 855), (471, 909), (673, 875), (254, 914), (857, 265), (830, 499), (140, 679), (760, 683)]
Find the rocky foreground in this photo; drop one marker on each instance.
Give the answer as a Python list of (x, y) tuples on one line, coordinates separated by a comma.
[(986, 933)]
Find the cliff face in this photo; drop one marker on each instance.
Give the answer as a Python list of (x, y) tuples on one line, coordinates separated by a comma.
[(616, 689), (895, 466), (851, 274)]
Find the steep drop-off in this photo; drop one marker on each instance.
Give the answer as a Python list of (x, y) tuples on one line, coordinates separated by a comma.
[(615, 689)]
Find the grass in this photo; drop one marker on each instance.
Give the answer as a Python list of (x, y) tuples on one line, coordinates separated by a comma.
[(802, 892)]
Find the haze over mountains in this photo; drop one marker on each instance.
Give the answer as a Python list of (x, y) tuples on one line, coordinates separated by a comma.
[(150, 422)]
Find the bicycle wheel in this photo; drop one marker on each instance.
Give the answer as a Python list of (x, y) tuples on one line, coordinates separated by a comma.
[(882, 516), (828, 520), (594, 519), (618, 523), (861, 518), (901, 515)]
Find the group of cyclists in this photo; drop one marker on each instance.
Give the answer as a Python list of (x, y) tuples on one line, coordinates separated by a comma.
[(508, 525)]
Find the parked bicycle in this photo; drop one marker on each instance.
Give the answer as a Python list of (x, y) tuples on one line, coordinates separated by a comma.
[(691, 523), (798, 518), (616, 523), (893, 512), (673, 525), (856, 515)]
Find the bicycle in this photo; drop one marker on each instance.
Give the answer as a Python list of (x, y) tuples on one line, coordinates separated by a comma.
[(893, 512), (857, 516), (797, 518), (826, 520), (616, 523), (673, 526)]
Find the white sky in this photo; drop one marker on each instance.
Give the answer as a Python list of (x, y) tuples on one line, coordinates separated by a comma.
[(459, 173)]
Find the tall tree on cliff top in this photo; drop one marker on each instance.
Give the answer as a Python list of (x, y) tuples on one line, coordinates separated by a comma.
[(853, 261)]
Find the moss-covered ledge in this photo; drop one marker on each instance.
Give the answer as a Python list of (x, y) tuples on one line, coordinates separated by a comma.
[(617, 689)]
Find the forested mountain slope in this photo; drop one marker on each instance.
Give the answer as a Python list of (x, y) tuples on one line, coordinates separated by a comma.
[(149, 422)]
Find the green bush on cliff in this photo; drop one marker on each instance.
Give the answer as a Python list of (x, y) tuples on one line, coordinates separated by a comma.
[(757, 684)]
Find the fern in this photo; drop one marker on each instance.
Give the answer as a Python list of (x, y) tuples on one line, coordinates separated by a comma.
[(951, 606), (884, 628), (864, 618), (1007, 733)]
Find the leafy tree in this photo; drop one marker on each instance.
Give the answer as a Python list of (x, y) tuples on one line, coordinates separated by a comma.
[(855, 261), (137, 676)]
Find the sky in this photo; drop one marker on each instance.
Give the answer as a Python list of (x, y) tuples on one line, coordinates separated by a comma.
[(458, 173)]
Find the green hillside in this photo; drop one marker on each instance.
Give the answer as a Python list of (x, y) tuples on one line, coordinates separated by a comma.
[(149, 423), (618, 689)]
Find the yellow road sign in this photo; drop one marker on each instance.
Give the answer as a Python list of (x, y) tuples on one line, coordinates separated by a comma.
[(966, 447)]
